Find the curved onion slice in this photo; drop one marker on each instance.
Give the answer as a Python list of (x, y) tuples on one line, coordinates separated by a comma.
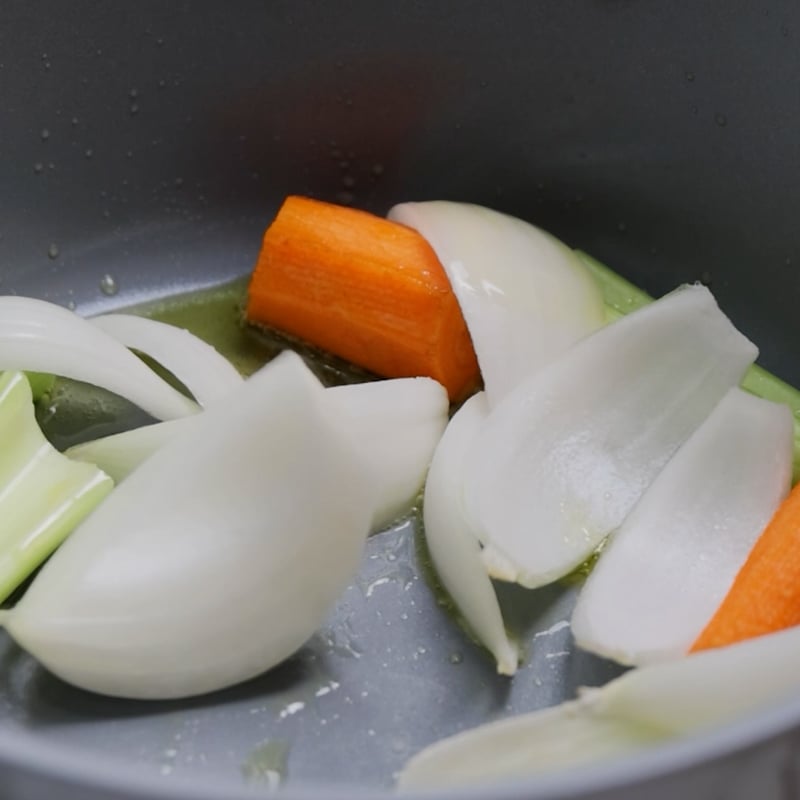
[(454, 547), (121, 453), (646, 705), (526, 297), (216, 559), (394, 426), (674, 559), (43, 337), (563, 459), (197, 365)]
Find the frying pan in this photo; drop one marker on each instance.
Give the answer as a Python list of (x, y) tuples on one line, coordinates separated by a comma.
[(143, 148)]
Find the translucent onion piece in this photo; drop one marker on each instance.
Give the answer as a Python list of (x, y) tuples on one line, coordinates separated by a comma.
[(395, 426), (216, 559), (39, 336), (563, 459), (645, 706), (121, 453), (526, 297), (674, 559), (453, 545), (197, 365), (43, 495)]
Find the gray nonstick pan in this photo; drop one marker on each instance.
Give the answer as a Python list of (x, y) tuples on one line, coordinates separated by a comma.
[(145, 146)]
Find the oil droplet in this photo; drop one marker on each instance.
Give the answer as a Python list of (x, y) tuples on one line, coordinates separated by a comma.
[(134, 109), (721, 120), (133, 93), (88, 152), (108, 285), (71, 305), (53, 252), (622, 227), (378, 170), (456, 658), (348, 181), (74, 121), (45, 134), (38, 167)]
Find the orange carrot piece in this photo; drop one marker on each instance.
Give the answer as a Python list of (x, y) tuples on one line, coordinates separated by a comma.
[(765, 595), (366, 289)]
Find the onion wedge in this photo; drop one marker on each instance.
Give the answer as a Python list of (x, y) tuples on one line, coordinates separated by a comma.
[(560, 463), (197, 365), (453, 545), (669, 566), (216, 559), (648, 705), (525, 296), (395, 426), (39, 336)]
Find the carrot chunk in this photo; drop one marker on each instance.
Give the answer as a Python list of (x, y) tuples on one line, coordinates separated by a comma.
[(363, 288), (765, 595)]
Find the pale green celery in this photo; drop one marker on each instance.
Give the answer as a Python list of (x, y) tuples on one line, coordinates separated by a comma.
[(622, 297), (43, 494)]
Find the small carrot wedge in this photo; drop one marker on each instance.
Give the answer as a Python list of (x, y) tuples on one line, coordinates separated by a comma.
[(363, 288), (765, 595)]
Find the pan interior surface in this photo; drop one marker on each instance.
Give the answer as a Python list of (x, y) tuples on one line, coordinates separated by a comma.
[(144, 149)]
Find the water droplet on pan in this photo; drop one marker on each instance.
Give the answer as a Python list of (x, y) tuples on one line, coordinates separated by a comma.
[(108, 285)]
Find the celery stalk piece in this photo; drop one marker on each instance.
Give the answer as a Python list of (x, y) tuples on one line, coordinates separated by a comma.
[(43, 495), (622, 297)]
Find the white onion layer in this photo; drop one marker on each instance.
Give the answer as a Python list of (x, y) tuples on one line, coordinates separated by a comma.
[(563, 459), (645, 706), (526, 297), (395, 426), (216, 559), (672, 562), (453, 545), (197, 365), (38, 336)]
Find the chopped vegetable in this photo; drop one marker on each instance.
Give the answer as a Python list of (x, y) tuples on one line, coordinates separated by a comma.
[(679, 550), (41, 336), (43, 495), (622, 297), (562, 459), (454, 547), (213, 561), (120, 454), (645, 706), (394, 426), (197, 365), (365, 289), (526, 296), (765, 595)]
